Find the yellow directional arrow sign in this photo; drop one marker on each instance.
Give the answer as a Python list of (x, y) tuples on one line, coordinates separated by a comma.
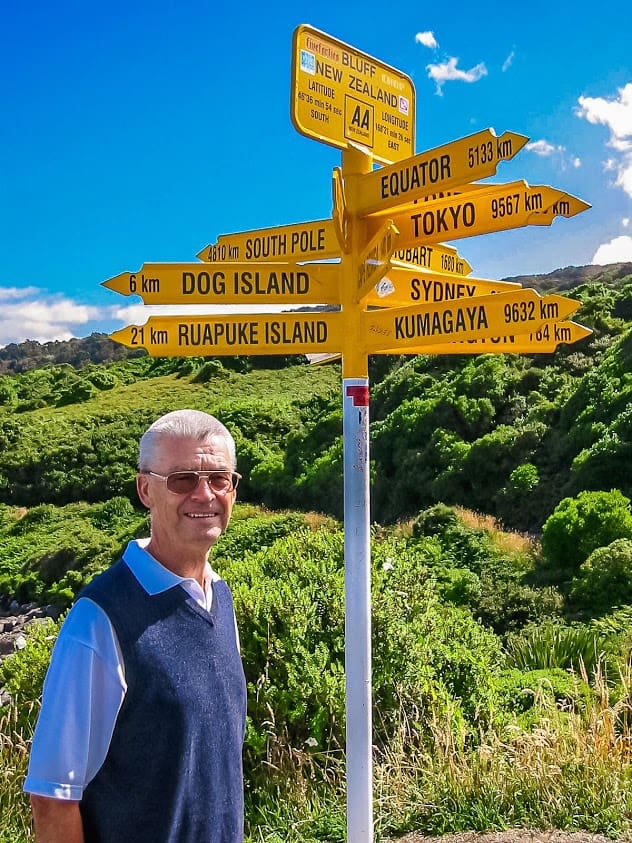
[(208, 336), (406, 207), (503, 207), (339, 213), (374, 261), (459, 162), (341, 96), (314, 240), (565, 205), (436, 258), (518, 312), (231, 283), (545, 340), (404, 284)]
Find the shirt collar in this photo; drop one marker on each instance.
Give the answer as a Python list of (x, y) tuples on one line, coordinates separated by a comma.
[(152, 576)]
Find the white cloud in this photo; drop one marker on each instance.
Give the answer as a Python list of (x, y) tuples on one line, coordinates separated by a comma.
[(543, 148), (509, 61), (427, 39), (618, 250), (625, 222), (31, 313), (8, 293), (548, 150), (616, 115), (34, 314), (449, 72)]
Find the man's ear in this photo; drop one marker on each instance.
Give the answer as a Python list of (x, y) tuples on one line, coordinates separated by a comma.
[(142, 487)]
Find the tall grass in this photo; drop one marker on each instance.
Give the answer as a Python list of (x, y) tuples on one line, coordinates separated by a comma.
[(571, 771), (506, 541), (15, 818)]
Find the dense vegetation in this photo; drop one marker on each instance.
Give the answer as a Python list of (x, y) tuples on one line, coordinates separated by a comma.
[(501, 659)]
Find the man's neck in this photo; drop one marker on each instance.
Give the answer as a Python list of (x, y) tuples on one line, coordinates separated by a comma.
[(192, 564)]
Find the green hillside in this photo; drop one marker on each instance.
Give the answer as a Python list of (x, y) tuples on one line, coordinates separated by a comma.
[(507, 435)]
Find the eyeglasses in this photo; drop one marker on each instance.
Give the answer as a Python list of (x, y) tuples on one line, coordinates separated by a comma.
[(185, 482)]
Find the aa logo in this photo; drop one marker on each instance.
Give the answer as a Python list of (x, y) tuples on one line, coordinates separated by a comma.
[(359, 120), (360, 117)]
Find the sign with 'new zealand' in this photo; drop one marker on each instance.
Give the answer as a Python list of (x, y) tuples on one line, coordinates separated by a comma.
[(341, 96)]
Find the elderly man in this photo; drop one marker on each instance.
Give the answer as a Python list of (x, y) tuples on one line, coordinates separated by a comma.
[(140, 734)]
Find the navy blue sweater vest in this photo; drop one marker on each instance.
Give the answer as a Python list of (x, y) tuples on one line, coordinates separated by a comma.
[(173, 772)]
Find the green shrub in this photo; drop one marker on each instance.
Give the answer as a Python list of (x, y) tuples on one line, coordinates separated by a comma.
[(580, 525), (209, 370), (519, 691), (524, 477), (49, 553), (115, 514), (255, 532), (435, 519), (289, 602), (604, 580), (321, 485), (22, 673)]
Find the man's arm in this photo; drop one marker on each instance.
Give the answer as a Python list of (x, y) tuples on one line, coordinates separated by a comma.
[(56, 820), (83, 692)]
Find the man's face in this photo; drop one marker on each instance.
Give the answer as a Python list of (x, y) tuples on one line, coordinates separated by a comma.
[(186, 525)]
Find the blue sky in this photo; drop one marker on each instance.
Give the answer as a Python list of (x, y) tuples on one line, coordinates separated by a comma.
[(137, 131)]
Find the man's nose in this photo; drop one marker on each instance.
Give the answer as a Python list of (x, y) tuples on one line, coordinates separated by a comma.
[(204, 489)]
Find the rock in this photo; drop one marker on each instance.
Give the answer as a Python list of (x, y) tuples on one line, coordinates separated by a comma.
[(52, 612), (6, 646)]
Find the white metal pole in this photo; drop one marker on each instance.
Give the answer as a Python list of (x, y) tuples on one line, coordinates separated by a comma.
[(357, 609)]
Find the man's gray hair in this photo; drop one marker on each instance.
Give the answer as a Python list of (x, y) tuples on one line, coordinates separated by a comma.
[(190, 424)]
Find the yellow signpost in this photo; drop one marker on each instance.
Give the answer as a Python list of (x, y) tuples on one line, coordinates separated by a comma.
[(339, 211), (548, 337), (565, 205), (383, 260), (282, 333), (520, 311), (503, 207), (314, 240), (374, 261), (231, 283), (453, 164), (436, 258), (404, 284), (341, 96)]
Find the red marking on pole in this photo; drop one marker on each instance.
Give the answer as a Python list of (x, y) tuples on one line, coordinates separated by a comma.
[(360, 395)]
